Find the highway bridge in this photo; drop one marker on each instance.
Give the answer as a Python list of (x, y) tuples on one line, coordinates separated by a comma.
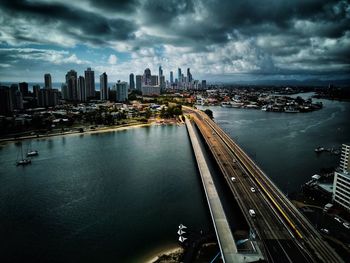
[(282, 232)]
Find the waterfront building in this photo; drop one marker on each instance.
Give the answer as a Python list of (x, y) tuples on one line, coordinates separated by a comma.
[(341, 184), (121, 91), (6, 106), (81, 89), (131, 81), (154, 80), (48, 81), (23, 88), (89, 83), (48, 97), (104, 87), (72, 85), (138, 82)]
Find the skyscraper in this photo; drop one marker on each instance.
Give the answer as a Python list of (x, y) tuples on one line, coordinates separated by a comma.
[(138, 82), (171, 77), (341, 184), (154, 80), (131, 81), (6, 106), (90, 83), (179, 75), (160, 71), (147, 77), (81, 89), (23, 88), (104, 87), (121, 91), (72, 85), (48, 81), (204, 84), (189, 76)]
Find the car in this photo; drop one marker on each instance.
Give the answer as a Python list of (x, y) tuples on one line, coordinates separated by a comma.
[(337, 219), (324, 230), (252, 212), (252, 189), (233, 179), (346, 225)]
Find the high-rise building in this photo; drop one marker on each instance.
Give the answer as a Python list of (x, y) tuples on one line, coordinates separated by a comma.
[(154, 80), (204, 84), (189, 76), (131, 81), (341, 184), (179, 74), (171, 77), (23, 88), (72, 84), (64, 91), (90, 83), (121, 91), (36, 90), (48, 81), (147, 77), (149, 90), (138, 82), (81, 89), (48, 97), (162, 82), (6, 106), (104, 87), (160, 71)]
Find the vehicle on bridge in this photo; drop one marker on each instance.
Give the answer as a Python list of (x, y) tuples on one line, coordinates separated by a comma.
[(252, 212)]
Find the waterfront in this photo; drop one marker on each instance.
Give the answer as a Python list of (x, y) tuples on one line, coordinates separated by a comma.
[(100, 197), (283, 144)]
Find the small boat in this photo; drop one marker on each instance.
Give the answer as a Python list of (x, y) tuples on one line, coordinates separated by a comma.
[(226, 104), (181, 226), (23, 161), (31, 152), (180, 232), (182, 239), (319, 149)]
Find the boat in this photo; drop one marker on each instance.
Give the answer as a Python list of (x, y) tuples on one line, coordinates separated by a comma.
[(236, 104), (30, 151), (23, 161), (180, 232), (182, 239), (225, 104), (291, 110), (181, 226), (319, 149)]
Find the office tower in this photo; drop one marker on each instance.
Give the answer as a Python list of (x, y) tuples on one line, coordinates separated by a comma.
[(81, 89), (138, 82), (189, 76), (48, 97), (171, 77), (64, 91), (154, 80), (90, 83), (6, 106), (23, 88), (131, 81), (72, 84), (104, 87), (48, 81), (162, 82), (160, 71), (121, 91), (147, 77), (179, 74), (341, 184), (204, 84)]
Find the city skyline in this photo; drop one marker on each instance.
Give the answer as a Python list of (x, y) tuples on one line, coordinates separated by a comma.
[(230, 42)]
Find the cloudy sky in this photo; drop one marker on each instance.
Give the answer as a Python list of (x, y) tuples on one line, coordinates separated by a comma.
[(226, 40)]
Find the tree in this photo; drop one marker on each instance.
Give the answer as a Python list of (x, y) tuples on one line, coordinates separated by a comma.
[(209, 113)]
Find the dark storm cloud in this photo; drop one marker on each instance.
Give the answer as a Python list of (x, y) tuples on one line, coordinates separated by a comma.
[(116, 5), (83, 25)]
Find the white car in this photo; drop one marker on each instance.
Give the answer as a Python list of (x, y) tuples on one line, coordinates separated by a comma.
[(337, 219), (233, 179), (324, 230), (346, 225), (252, 189)]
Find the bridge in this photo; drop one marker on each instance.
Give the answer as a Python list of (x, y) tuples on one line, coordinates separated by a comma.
[(282, 232)]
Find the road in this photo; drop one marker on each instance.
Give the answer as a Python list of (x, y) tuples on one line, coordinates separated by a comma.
[(285, 234)]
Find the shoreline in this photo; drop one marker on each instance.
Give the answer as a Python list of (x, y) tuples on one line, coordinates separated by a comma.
[(161, 251)]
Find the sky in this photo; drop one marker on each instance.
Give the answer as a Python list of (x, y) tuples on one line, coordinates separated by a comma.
[(221, 41)]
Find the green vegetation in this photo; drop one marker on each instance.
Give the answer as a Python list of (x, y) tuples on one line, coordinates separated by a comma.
[(171, 111)]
